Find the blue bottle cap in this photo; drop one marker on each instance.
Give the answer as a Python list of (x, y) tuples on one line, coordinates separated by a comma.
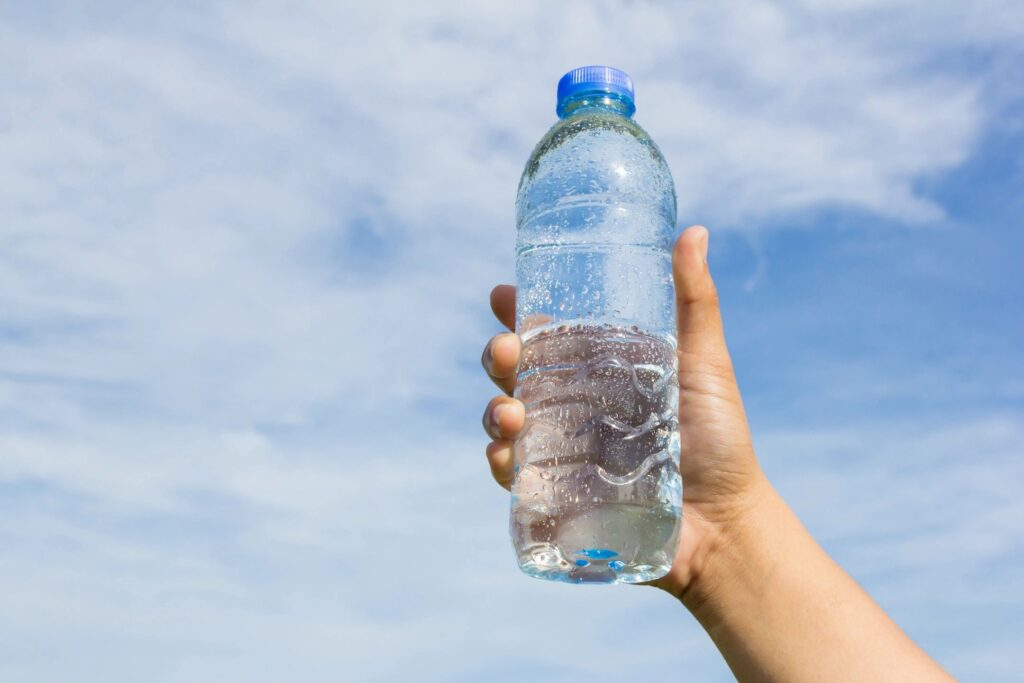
[(596, 79)]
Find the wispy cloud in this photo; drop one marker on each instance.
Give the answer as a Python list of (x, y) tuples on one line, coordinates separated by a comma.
[(245, 251)]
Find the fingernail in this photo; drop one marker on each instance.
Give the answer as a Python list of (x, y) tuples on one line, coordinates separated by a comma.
[(496, 416), (487, 360), (704, 246)]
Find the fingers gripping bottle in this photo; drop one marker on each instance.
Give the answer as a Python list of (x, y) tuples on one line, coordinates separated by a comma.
[(597, 494)]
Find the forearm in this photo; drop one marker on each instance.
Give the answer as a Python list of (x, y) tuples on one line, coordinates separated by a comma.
[(779, 609)]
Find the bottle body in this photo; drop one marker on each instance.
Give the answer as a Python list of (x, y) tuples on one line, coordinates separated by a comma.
[(597, 494)]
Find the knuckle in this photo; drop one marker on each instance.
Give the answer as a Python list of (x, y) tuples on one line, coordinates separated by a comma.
[(712, 294)]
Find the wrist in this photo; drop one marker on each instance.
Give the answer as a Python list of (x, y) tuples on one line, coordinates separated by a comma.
[(739, 552)]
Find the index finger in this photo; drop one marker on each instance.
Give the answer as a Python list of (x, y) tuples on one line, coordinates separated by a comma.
[(503, 303)]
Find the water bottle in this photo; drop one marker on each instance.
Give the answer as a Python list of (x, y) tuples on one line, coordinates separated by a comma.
[(597, 495)]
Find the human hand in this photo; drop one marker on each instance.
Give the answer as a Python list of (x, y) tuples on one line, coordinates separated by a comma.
[(721, 478)]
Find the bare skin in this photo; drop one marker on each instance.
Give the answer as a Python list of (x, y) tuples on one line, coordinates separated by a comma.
[(774, 603)]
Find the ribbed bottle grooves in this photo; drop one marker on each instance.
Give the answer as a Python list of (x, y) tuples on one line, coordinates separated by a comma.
[(600, 74)]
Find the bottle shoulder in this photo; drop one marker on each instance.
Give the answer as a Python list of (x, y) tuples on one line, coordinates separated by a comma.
[(596, 154), (583, 129)]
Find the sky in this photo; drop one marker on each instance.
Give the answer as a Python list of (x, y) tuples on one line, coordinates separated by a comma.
[(245, 253)]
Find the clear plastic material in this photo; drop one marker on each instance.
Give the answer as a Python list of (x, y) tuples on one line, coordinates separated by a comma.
[(597, 493)]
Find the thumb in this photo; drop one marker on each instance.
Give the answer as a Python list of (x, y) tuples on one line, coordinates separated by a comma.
[(699, 322)]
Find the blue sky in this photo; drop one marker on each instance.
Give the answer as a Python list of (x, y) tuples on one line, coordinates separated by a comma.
[(246, 251)]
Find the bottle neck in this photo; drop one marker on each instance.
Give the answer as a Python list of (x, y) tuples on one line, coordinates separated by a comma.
[(600, 101)]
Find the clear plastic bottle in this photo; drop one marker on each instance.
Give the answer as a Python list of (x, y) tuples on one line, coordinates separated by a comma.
[(597, 494)]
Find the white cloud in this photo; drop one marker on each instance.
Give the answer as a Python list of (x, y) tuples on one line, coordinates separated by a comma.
[(245, 257), (278, 201)]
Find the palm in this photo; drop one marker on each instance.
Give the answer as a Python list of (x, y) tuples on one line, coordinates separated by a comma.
[(716, 461)]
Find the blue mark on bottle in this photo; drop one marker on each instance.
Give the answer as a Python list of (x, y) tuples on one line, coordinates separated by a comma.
[(582, 563), (597, 553), (616, 565)]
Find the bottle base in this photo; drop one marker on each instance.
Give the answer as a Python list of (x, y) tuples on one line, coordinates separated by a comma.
[(587, 565)]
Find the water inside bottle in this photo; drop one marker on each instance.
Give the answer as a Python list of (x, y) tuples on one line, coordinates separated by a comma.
[(597, 490)]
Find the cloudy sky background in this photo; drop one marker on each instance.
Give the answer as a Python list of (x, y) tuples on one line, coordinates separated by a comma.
[(245, 250)]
